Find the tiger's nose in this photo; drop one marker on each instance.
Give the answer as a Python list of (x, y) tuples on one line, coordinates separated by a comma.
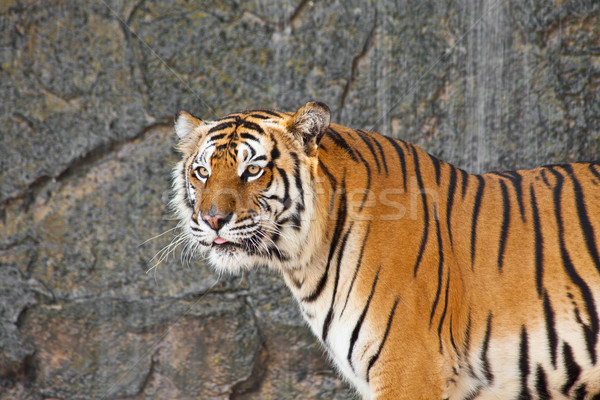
[(217, 221)]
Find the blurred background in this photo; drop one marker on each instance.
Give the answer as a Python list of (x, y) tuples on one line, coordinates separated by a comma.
[(87, 94)]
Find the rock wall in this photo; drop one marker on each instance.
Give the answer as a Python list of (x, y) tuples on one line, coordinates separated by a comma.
[(87, 94)]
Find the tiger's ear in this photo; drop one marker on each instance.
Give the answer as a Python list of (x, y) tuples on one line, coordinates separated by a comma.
[(185, 124), (309, 124)]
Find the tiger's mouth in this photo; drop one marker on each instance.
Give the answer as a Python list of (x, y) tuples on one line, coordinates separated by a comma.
[(245, 245), (247, 239)]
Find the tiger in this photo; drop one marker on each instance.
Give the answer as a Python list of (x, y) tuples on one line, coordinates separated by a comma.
[(421, 281)]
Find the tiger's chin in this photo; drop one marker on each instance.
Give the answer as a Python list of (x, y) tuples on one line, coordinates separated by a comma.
[(231, 260)]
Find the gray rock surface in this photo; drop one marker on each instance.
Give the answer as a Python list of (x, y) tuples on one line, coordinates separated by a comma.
[(87, 94)]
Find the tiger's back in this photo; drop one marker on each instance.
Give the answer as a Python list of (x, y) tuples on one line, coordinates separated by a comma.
[(422, 281)]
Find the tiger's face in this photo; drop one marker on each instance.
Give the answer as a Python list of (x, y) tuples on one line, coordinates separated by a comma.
[(244, 189)]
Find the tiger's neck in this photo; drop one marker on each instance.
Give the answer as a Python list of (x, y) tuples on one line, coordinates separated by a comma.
[(363, 193), (377, 215), (313, 277)]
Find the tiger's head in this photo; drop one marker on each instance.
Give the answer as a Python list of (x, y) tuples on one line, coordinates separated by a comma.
[(244, 189)]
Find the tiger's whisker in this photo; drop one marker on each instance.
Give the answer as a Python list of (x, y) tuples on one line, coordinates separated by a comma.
[(157, 236)]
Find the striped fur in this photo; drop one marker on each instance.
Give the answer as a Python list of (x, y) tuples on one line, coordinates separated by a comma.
[(422, 281)]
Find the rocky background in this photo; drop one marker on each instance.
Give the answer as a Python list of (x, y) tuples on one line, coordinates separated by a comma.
[(87, 94)]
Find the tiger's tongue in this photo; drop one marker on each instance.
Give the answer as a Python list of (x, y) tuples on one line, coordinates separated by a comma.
[(220, 240)]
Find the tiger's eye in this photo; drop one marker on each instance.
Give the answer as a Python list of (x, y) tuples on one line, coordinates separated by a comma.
[(253, 169), (201, 173)]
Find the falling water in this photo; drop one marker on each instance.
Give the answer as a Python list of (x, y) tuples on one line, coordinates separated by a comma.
[(383, 50), (484, 70)]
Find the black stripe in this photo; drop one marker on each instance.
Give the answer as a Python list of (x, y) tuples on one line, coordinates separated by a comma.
[(451, 192), (275, 154), (253, 151), (452, 336), (235, 116), (359, 323), (339, 225), (297, 284), (356, 268), (503, 174), (366, 140), (287, 200), (444, 311), (573, 369), (440, 272), (329, 176), (580, 393), (298, 179), (264, 203), (368, 188), (401, 157), (221, 126), (255, 115), (274, 251), (550, 329), (238, 225), (373, 359), (516, 180), (425, 216), (467, 347), (489, 376), (295, 221), (259, 116), (341, 143), (524, 365), (336, 281), (594, 171), (221, 147), (253, 126), (437, 167), (464, 182), (270, 112), (467, 344), (541, 384), (190, 202), (539, 242), (584, 220), (476, 209), (591, 332), (474, 393), (249, 136), (381, 152), (319, 289), (281, 200), (545, 178), (505, 224), (216, 137)]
